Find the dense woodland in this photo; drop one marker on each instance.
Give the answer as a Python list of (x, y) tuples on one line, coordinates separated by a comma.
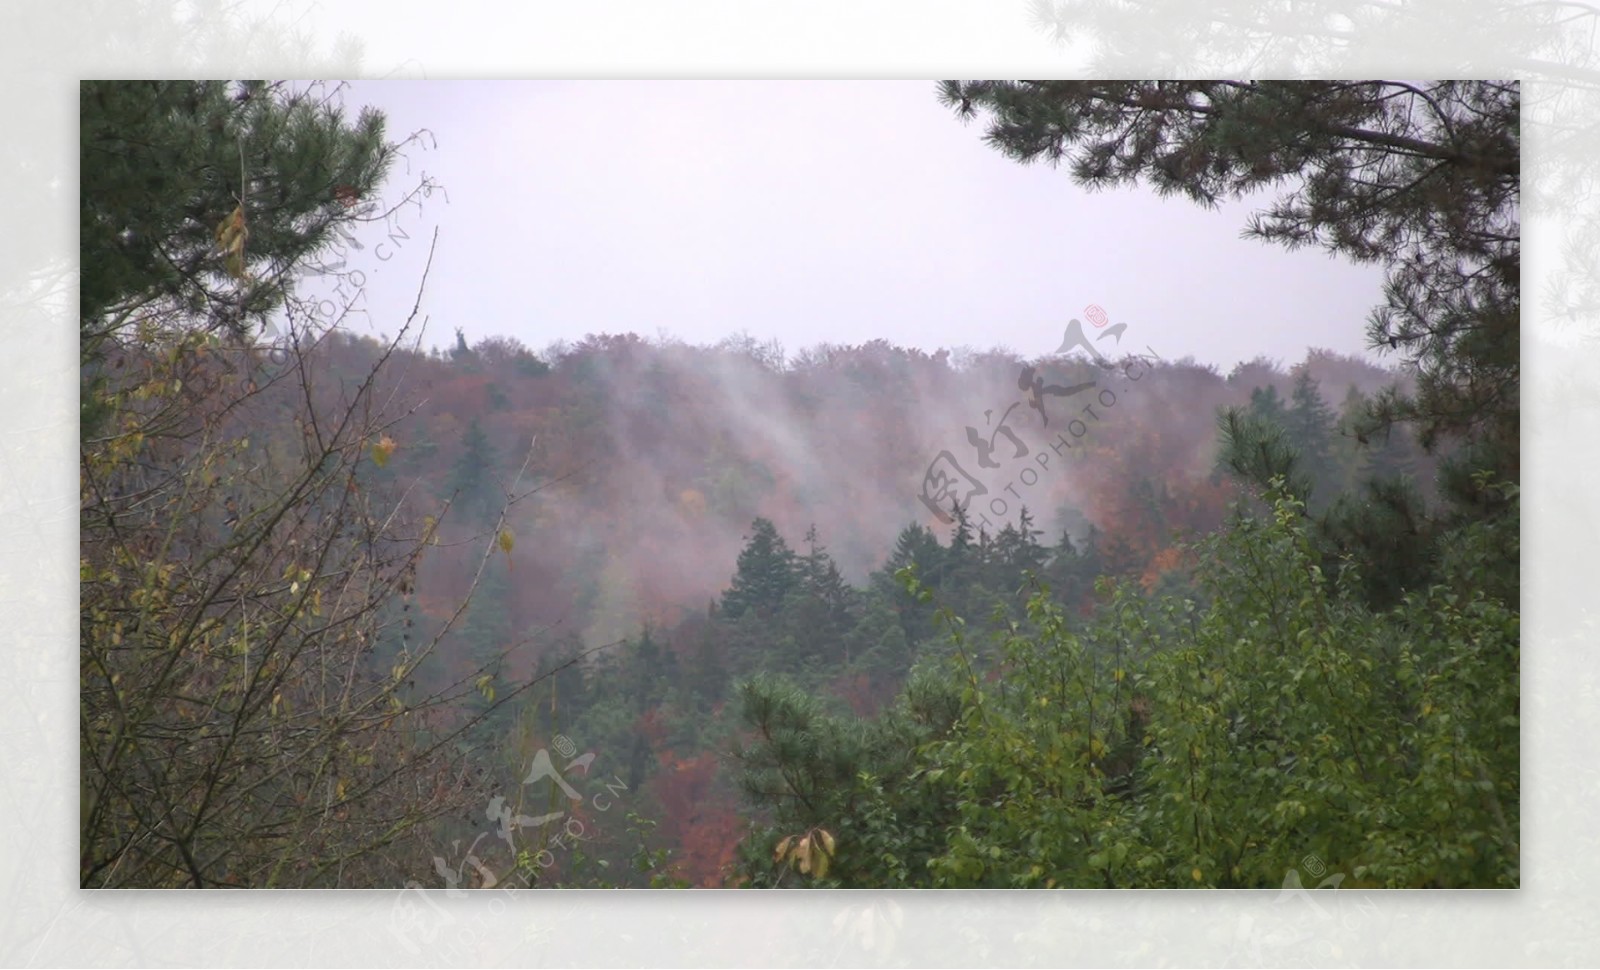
[(445, 609)]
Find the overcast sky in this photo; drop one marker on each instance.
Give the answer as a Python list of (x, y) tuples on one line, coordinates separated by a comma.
[(810, 211)]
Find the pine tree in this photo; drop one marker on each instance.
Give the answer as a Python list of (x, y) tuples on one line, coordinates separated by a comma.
[(165, 165), (1388, 456), (164, 162), (1256, 444)]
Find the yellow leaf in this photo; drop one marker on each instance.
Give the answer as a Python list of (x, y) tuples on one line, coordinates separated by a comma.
[(382, 450), (802, 854), (231, 236), (231, 226), (506, 541), (827, 840), (338, 790), (1196, 874), (783, 849)]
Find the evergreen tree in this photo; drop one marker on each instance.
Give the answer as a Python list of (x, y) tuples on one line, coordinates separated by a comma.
[(806, 770), (164, 162), (650, 670), (1309, 424), (561, 691), (486, 638), (877, 643), (473, 481), (1266, 405), (826, 600), (461, 353), (767, 572), (963, 558), (1016, 551), (1255, 444), (918, 548), (1387, 456), (166, 166), (961, 543), (707, 671), (1073, 567), (1348, 451)]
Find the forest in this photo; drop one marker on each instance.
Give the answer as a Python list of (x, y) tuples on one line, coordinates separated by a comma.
[(447, 610)]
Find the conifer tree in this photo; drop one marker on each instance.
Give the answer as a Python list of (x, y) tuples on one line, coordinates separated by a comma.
[(766, 574), (477, 495), (918, 548), (202, 200), (164, 163), (829, 600), (1310, 424)]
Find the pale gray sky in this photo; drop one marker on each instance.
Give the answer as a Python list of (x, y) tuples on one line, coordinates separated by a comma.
[(812, 211)]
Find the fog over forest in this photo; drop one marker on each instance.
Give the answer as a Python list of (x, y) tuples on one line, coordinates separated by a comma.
[(682, 447)]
